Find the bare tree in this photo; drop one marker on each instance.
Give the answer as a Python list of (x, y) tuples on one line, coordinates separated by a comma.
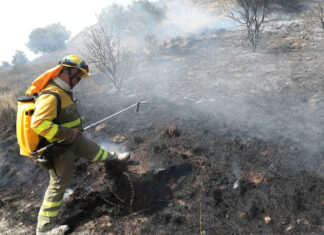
[(318, 12), (108, 54), (250, 14), (152, 43)]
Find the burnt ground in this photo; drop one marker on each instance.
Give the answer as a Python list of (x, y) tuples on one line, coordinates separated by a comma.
[(229, 143)]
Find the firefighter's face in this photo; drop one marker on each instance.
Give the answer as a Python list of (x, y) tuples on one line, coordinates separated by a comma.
[(76, 74)]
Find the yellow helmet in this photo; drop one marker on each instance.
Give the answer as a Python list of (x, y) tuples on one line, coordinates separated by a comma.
[(75, 62)]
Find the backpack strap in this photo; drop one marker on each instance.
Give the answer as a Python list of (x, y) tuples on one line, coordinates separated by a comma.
[(58, 102)]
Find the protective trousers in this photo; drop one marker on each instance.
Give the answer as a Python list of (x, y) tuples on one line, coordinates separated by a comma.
[(63, 161)]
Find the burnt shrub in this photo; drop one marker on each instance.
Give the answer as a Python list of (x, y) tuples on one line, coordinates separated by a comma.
[(290, 6)]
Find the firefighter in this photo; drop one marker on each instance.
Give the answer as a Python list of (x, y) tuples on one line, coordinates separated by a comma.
[(55, 118)]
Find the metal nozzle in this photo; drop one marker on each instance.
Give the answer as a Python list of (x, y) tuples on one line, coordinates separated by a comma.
[(137, 107)]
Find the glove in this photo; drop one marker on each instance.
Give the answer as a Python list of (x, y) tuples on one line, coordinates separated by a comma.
[(44, 162), (123, 157), (69, 134)]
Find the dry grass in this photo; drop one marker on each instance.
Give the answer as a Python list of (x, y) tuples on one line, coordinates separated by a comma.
[(13, 83), (8, 110)]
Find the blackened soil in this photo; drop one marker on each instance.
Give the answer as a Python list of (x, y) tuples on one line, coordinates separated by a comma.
[(193, 171), (199, 182), (183, 178)]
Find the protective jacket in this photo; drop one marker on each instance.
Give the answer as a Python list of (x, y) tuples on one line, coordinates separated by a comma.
[(46, 118), (45, 122)]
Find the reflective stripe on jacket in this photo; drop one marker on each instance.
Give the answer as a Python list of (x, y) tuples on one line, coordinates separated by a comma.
[(46, 112)]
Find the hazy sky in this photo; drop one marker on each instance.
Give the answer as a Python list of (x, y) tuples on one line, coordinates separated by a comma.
[(18, 18)]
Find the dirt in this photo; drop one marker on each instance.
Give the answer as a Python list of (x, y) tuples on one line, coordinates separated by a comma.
[(221, 147)]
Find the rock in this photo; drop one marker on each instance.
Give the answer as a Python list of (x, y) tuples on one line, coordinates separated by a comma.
[(241, 214), (100, 127), (172, 131), (290, 227), (118, 138), (254, 177), (267, 219)]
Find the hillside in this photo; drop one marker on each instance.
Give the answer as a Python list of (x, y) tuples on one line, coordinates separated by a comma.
[(230, 141)]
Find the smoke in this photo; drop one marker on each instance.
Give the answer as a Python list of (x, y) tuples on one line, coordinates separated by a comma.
[(165, 19), (279, 118), (236, 170), (206, 68), (68, 192), (111, 147), (183, 19)]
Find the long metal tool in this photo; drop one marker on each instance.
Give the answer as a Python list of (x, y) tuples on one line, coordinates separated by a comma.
[(91, 125)]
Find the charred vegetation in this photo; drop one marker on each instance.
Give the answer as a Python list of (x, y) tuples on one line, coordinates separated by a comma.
[(229, 143)]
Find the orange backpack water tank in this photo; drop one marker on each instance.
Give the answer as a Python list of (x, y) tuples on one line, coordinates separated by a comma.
[(28, 140)]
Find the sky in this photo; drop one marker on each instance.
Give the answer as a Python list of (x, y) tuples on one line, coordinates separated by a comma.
[(18, 18)]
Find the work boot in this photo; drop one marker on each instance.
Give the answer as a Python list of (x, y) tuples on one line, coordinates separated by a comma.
[(57, 230), (123, 157)]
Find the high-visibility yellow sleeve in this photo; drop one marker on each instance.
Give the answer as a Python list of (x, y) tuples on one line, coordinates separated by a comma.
[(45, 113)]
